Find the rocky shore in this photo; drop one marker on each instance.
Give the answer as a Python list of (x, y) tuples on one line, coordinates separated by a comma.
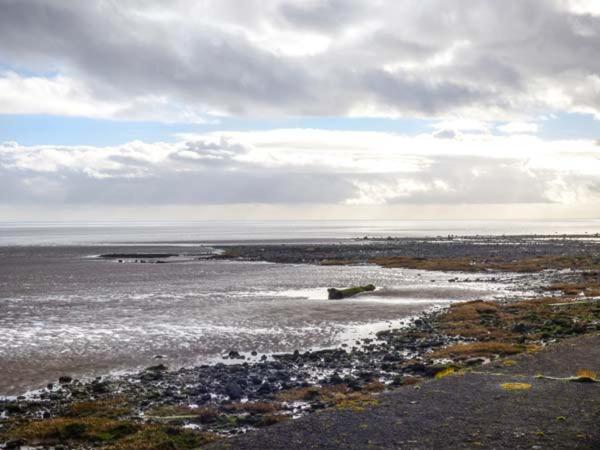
[(490, 249), (190, 407)]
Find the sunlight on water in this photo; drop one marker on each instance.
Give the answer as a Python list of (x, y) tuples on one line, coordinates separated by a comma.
[(63, 312)]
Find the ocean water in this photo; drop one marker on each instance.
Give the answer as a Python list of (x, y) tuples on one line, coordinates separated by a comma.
[(54, 233), (63, 310)]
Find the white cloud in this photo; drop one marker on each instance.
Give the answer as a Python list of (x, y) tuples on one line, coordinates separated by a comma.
[(462, 124), (49, 95), (304, 166), (519, 128), (59, 95)]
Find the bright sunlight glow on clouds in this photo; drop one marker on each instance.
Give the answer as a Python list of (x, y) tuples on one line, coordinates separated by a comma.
[(488, 79)]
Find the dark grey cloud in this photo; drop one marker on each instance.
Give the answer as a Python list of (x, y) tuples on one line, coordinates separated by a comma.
[(121, 55), (421, 96), (321, 15), (428, 58)]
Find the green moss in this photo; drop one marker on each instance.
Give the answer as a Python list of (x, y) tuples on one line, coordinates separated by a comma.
[(66, 429), (116, 434), (270, 419), (109, 408), (168, 438)]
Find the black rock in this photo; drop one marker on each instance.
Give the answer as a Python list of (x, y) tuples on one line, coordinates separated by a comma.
[(234, 354), (417, 368), (100, 387), (392, 357), (65, 379), (234, 391), (264, 389), (336, 379), (521, 328)]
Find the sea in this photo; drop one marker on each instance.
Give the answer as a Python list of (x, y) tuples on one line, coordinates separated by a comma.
[(65, 311)]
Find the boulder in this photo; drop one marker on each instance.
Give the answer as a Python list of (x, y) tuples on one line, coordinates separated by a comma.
[(234, 391)]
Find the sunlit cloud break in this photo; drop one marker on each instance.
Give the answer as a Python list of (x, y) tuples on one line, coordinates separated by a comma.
[(305, 166)]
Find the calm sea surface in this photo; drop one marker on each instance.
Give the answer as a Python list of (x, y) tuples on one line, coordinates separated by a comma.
[(65, 311), (37, 233)]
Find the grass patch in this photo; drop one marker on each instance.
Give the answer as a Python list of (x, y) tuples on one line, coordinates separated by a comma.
[(483, 349), (524, 265), (519, 322), (271, 419), (586, 375), (356, 402), (374, 386), (110, 408), (179, 412), (515, 386), (167, 438), (589, 288), (444, 373), (109, 433), (339, 396), (67, 429), (299, 394), (253, 407)]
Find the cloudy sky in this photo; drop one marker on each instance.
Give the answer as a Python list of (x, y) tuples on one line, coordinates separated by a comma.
[(315, 108)]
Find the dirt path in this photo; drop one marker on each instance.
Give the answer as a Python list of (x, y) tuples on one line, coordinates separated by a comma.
[(471, 410)]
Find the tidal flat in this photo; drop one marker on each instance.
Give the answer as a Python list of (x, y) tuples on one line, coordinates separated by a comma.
[(192, 406)]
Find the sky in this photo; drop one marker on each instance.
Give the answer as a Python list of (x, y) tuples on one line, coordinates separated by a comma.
[(313, 109)]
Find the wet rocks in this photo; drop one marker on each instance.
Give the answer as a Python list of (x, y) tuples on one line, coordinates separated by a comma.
[(234, 354), (264, 389), (233, 391)]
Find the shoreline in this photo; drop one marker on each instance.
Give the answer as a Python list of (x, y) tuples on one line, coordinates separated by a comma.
[(208, 402), (353, 335), (228, 410)]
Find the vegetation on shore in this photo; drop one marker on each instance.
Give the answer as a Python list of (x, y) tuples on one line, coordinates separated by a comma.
[(523, 265)]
